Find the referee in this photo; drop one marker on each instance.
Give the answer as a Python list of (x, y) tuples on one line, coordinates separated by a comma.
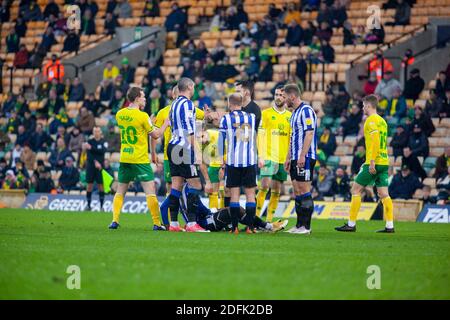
[(96, 148), (301, 157)]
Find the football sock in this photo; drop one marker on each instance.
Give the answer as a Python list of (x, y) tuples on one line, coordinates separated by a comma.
[(250, 211), (354, 209), (117, 206), (298, 211), (226, 202), (89, 198), (235, 209), (214, 200), (153, 207), (174, 205), (273, 204), (388, 209), (307, 208), (193, 199), (260, 198), (101, 195), (164, 208)]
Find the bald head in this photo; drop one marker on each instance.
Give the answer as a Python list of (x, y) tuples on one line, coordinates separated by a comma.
[(235, 101)]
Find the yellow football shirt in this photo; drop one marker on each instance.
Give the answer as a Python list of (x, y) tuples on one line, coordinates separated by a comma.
[(375, 123), (162, 115), (134, 125), (273, 134), (211, 149)]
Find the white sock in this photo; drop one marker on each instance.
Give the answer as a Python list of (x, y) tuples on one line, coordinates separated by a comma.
[(174, 223), (389, 224), (191, 224), (269, 226), (351, 223)]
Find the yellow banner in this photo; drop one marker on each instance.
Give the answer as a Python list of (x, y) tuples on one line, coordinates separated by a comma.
[(333, 210)]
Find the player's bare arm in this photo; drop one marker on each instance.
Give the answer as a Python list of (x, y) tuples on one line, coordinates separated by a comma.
[(155, 134), (306, 145)]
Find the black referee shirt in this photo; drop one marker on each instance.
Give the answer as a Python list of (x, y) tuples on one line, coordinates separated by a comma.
[(97, 152), (252, 107)]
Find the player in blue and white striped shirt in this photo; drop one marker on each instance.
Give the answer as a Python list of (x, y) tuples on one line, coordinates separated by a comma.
[(182, 154), (301, 157), (238, 132)]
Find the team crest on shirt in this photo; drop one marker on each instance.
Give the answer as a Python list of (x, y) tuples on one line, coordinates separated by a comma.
[(308, 121)]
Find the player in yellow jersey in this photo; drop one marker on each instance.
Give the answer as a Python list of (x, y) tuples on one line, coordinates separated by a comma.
[(213, 159), (161, 117), (135, 126), (273, 143), (375, 169)]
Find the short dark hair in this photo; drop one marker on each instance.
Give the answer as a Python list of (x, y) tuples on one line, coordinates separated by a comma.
[(247, 84), (279, 87), (133, 93), (372, 100), (184, 83), (292, 88), (235, 99)]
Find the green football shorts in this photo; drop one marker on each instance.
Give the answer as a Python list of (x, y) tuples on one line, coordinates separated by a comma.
[(167, 175), (380, 179), (213, 173), (273, 170), (135, 172)]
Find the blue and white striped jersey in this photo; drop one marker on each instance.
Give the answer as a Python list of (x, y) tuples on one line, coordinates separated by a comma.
[(238, 131), (303, 119), (182, 121)]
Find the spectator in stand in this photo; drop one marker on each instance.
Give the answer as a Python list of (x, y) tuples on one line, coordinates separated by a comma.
[(54, 69), (218, 20), (338, 14), (414, 85), (60, 25), (402, 14), (151, 8), (200, 52), (93, 105), (442, 84), (324, 32), (418, 142), (44, 182), (292, 14), (327, 142), (380, 64), (204, 100), (10, 182), (77, 90), (153, 54), (3, 168), (127, 71), (52, 106), (111, 24), (375, 36), (48, 39), (274, 12), (71, 42), (327, 52), (21, 59), (433, 105), (294, 34), (269, 30), (423, 120), (404, 184), (154, 72), (324, 14), (427, 198), (70, 176), (399, 141), (110, 6), (82, 5), (443, 184), (88, 23), (40, 140), (4, 140), (20, 27), (323, 182), (396, 107), (156, 102), (28, 157), (265, 73), (86, 121), (5, 13), (218, 52), (113, 139), (386, 88), (31, 11), (123, 10), (301, 69), (350, 123), (176, 20), (371, 84), (23, 136), (8, 104), (445, 109), (231, 19), (241, 15), (341, 185), (442, 164), (92, 5), (349, 36), (266, 52), (309, 30), (210, 90), (76, 140), (110, 72), (12, 41), (197, 70), (51, 9), (59, 154), (413, 163)]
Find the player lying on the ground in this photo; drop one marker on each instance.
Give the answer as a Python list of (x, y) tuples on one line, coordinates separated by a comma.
[(222, 220)]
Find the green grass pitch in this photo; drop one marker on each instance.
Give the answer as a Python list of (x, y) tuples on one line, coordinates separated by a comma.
[(134, 262)]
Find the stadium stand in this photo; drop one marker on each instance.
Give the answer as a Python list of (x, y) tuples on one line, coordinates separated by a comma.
[(233, 29)]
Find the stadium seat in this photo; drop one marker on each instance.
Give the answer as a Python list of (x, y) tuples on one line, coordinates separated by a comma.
[(333, 161)]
